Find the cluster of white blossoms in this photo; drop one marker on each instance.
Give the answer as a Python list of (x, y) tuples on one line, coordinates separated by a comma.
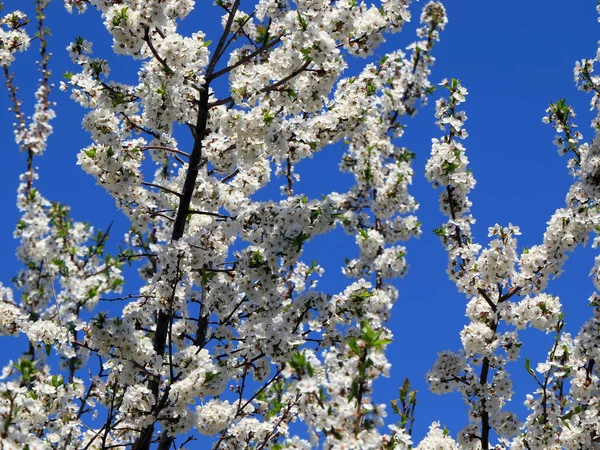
[(229, 335), (65, 271), (13, 37), (564, 409)]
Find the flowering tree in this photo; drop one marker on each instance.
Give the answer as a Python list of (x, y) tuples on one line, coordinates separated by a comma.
[(229, 336)]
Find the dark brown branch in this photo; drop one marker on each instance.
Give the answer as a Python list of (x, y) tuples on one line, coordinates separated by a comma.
[(195, 163), (166, 149), (200, 340), (139, 127), (158, 186), (230, 176), (223, 41), (164, 216), (485, 416), (265, 47), (268, 88), (127, 297), (162, 61), (222, 45), (209, 213), (508, 295), (487, 298), (165, 442)]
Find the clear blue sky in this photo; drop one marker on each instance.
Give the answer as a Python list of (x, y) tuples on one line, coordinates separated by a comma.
[(515, 57)]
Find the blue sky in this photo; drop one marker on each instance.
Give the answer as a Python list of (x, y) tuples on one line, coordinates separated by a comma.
[(514, 57)]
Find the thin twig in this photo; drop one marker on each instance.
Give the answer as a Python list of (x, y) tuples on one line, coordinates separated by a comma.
[(158, 186), (268, 88), (162, 61), (166, 149)]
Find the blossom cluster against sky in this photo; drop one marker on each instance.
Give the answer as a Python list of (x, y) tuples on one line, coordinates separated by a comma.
[(514, 58)]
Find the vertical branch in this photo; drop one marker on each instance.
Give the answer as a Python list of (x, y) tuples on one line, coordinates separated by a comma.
[(196, 162), (42, 102)]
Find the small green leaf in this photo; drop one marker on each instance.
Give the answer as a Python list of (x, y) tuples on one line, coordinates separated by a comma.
[(528, 368), (441, 232), (303, 23)]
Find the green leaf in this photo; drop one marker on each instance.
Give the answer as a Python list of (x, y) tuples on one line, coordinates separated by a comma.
[(371, 88), (571, 413), (306, 53), (291, 93), (362, 295), (303, 23), (405, 389), (406, 156), (120, 17), (528, 368), (92, 292), (353, 390), (300, 365), (57, 381), (262, 34), (100, 320), (441, 232), (207, 275), (210, 376), (256, 260), (313, 266), (353, 344), (448, 167), (268, 117), (299, 240)]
